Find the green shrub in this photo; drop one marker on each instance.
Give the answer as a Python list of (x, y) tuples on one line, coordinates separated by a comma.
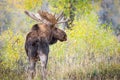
[(12, 51)]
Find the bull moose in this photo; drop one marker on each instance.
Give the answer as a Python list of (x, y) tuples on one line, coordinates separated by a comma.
[(40, 37)]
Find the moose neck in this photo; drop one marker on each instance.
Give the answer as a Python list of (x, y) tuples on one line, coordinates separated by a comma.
[(44, 31)]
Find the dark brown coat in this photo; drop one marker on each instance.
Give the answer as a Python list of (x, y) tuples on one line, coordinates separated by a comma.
[(40, 37), (38, 41)]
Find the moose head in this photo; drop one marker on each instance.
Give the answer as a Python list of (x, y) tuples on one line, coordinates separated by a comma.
[(41, 36)]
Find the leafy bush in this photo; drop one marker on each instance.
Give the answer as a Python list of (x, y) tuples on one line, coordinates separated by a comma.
[(12, 55), (12, 51)]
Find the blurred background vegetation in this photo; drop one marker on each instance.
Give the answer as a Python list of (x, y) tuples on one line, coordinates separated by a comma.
[(92, 51)]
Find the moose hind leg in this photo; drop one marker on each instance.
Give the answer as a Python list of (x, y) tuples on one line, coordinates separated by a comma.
[(43, 59), (32, 71)]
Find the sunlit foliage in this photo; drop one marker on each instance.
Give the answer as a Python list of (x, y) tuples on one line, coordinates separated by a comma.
[(90, 53), (12, 49)]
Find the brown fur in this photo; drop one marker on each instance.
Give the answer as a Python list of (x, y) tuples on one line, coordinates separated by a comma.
[(37, 44), (49, 17)]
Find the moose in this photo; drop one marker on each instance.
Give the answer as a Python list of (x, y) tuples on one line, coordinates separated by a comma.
[(42, 35)]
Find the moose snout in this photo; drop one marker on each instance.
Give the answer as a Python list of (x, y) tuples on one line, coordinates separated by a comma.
[(65, 39)]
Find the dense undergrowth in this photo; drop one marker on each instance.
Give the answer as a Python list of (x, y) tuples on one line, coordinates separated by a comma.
[(91, 52)]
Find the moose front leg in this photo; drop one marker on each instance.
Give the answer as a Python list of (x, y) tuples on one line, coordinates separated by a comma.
[(43, 59), (31, 69)]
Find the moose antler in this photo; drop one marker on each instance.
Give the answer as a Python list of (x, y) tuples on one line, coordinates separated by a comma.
[(59, 15), (61, 19), (33, 16), (37, 17), (47, 18)]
